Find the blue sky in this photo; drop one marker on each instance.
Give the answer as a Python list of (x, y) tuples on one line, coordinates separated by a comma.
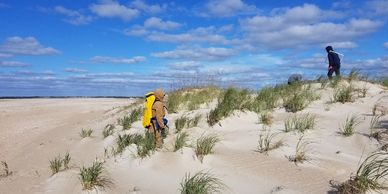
[(112, 47)]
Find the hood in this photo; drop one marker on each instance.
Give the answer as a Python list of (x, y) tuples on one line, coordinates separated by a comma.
[(159, 94), (329, 48)]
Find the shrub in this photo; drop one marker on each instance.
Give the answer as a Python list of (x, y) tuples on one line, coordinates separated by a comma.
[(266, 118), (180, 123), (348, 127), (205, 145), (343, 94), (266, 142), (125, 140), (201, 183), (56, 165), (92, 178), (5, 170), (369, 177), (300, 151), (180, 141), (108, 130), (146, 146), (86, 133), (299, 122)]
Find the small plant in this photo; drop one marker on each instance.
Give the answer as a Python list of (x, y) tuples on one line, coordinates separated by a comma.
[(334, 82), (56, 165), (201, 183), (194, 121), (92, 178), (6, 172), (86, 133), (348, 127), (299, 99), (373, 124), (354, 74), (108, 130), (66, 161), (146, 146), (343, 94), (299, 122), (323, 81), (300, 151), (266, 118), (205, 145), (266, 142), (370, 175), (125, 140), (180, 141), (180, 123)]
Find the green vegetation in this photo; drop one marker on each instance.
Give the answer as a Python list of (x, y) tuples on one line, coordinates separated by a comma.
[(354, 74), (127, 121), (86, 133), (190, 98), (373, 124), (348, 127), (180, 141), (299, 99), (205, 145), (370, 176), (300, 151), (201, 183), (299, 123), (108, 130), (125, 140), (183, 122), (66, 161), (5, 169), (58, 162), (266, 142), (323, 81), (92, 178), (343, 94), (146, 146), (266, 118)]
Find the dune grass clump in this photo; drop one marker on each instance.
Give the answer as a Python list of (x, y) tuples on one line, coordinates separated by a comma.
[(146, 145), (300, 151), (343, 94), (374, 124), (66, 161), (354, 74), (334, 82), (299, 99), (5, 169), (202, 96), (86, 133), (191, 98), (201, 183), (266, 118), (92, 177), (370, 176), (193, 122), (299, 123), (348, 127), (266, 142), (108, 130), (180, 123), (323, 81), (180, 141), (232, 99), (127, 121), (205, 145), (266, 99), (59, 163), (125, 140)]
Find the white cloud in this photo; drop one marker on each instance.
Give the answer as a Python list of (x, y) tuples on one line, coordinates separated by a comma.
[(76, 70), (158, 23), (5, 55), (386, 44), (152, 9), (226, 8), (113, 9), (25, 46), (302, 26), (136, 31), (211, 53), (185, 65), (347, 44), (379, 7), (103, 59), (73, 17), (13, 64)]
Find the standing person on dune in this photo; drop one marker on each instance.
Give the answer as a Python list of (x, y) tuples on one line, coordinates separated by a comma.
[(334, 62), (158, 121)]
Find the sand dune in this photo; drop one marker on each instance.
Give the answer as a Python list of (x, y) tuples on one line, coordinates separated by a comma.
[(35, 131)]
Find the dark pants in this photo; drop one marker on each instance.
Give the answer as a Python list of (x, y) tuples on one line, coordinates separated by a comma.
[(332, 70)]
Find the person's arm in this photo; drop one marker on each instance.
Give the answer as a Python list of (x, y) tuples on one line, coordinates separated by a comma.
[(159, 114)]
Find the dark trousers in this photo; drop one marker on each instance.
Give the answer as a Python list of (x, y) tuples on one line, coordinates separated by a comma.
[(335, 70)]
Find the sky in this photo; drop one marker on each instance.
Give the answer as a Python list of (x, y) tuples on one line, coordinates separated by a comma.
[(127, 48)]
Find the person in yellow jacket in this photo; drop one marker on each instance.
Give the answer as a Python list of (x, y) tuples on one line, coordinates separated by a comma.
[(158, 121)]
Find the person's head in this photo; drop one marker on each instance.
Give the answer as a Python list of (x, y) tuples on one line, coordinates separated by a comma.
[(329, 48), (159, 94)]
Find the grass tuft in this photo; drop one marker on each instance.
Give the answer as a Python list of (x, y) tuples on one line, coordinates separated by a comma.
[(266, 118), (86, 133), (370, 175), (266, 142), (108, 130), (56, 165), (299, 123), (125, 140), (5, 169), (180, 123), (354, 74), (127, 121), (180, 141), (92, 178), (299, 99), (205, 145), (300, 151), (343, 94), (201, 183), (66, 161), (374, 124), (348, 127), (191, 98), (146, 145)]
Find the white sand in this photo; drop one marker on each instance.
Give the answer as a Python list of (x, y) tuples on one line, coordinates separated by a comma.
[(35, 131)]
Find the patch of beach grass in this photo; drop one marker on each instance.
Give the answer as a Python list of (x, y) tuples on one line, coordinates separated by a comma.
[(86, 133), (180, 141), (92, 177), (343, 94), (201, 183), (125, 140), (266, 118), (180, 123), (300, 151), (354, 74), (348, 127), (5, 172), (146, 145), (266, 142), (299, 123), (108, 130), (205, 145)]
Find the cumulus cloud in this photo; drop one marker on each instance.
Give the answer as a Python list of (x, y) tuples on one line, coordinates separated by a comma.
[(211, 53), (158, 23), (76, 70), (347, 44), (302, 26), (13, 64), (25, 46), (104, 59), (152, 9), (113, 9), (185, 65), (227, 8), (72, 16)]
